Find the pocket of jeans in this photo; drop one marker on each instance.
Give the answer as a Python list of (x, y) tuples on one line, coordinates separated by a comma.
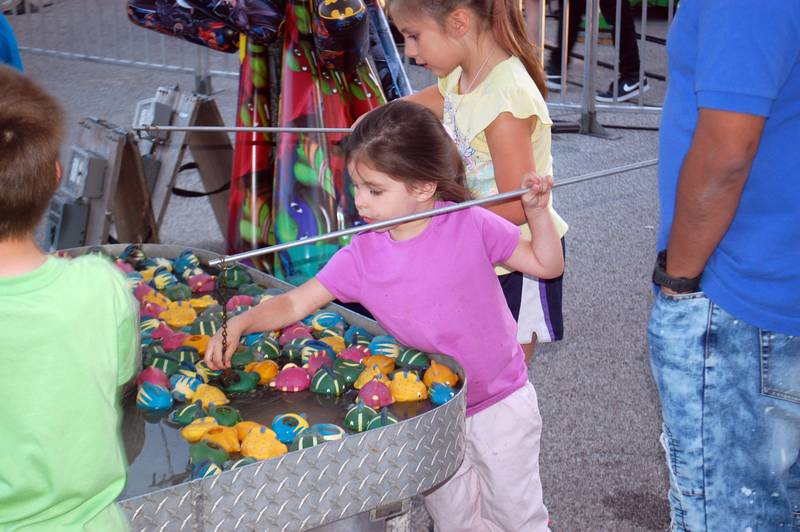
[(780, 366), (681, 297)]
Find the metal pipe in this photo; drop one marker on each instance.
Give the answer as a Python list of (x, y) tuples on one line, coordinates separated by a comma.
[(243, 129), (617, 46), (642, 54), (564, 49), (607, 107), (420, 215)]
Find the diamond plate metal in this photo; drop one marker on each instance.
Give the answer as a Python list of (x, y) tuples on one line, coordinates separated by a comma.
[(309, 488)]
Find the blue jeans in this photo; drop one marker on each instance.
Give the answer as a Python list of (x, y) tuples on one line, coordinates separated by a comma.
[(730, 401)]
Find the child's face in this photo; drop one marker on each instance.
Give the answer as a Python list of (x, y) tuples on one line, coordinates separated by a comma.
[(378, 197), (428, 44)]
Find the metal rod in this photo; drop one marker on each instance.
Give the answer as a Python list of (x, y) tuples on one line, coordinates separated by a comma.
[(617, 47), (260, 129), (607, 107), (420, 215)]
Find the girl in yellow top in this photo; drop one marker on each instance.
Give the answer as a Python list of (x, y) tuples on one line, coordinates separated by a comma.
[(490, 97)]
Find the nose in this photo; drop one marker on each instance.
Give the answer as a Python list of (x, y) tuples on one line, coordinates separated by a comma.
[(410, 49), (360, 199)]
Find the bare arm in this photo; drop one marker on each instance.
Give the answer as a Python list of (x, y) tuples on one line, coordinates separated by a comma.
[(542, 256), (509, 140), (273, 313), (710, 186), (431, 98)]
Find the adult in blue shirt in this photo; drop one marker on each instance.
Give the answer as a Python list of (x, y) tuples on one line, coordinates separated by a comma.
[(9, 53), (724, 331)]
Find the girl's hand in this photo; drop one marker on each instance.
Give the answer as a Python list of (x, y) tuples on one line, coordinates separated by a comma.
[(214, 358), (538, 195)]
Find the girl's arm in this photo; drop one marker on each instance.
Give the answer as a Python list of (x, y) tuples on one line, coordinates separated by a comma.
[(509, 140), (273, 313), (542, 256), (431, 98)]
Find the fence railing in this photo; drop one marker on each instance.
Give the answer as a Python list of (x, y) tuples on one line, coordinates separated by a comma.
[(99, 30)]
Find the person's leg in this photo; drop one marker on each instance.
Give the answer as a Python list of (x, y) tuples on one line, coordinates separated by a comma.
[(507, 440), (628, 46), (730, 401), (456, 506), (577, 9)]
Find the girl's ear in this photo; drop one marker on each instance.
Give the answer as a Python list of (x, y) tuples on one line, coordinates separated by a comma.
[(459, 21), (425, 191)]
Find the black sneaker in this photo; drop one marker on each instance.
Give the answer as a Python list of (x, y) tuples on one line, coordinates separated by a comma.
[(626, 89)]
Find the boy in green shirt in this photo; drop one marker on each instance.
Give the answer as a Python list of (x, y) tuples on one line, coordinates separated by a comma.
[(68, 342)]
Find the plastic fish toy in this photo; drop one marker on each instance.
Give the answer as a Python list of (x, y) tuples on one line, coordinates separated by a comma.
[(384, 345), (183, 387), (194, 431), (153, 397), (287, 426), (205, 470), (239, 301), (154, 376), (358, 417), (186, 261), (293, 332), (186, 414), (317, 361), (267, 370), (292, 379), (208, 395), (414, 359), (381, 420), (348, 369), (355, 333), (225, 415), (243, 382), (179, 314), (244, 427), (224, 437), (439, 373), (327, 382), (406, 386), (206, 451), (441, 393), (241, 462), (375, 394), (261, 444), (385, 363), (353, 353), (201, 283), (327, 320)]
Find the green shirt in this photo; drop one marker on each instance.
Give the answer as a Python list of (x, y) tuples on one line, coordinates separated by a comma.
[(68, 341)]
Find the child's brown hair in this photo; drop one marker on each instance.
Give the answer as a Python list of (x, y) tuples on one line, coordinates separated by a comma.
[(406, 141), (504, 18), (31, 131)]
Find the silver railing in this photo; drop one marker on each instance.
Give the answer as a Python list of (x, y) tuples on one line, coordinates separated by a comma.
[(99, 30)]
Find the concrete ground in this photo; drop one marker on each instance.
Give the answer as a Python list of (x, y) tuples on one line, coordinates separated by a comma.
[(601, 464)]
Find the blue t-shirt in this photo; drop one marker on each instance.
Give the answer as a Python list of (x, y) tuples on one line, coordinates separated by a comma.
[(742, 56), (9, 53)]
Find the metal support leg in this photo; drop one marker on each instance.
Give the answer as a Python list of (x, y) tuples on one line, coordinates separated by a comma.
[(588, 122)]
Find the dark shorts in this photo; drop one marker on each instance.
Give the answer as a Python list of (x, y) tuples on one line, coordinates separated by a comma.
[(535, 305)]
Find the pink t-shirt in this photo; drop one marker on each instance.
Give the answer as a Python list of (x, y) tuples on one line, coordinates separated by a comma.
[(438, 292)]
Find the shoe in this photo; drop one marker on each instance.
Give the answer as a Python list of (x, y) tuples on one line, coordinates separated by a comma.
[(626, 90)]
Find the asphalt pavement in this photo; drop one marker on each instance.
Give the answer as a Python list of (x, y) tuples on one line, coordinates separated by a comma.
[(601, 464)]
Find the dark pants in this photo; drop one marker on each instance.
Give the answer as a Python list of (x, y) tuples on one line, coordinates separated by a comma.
[(628, 48)]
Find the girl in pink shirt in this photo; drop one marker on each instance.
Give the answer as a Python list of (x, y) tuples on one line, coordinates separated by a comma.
[(431, 284)]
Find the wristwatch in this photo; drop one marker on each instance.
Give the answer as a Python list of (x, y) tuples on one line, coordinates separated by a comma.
[(682, 285)]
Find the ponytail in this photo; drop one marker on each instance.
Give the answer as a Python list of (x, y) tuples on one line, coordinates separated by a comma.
[(506, 24), (508, 27)]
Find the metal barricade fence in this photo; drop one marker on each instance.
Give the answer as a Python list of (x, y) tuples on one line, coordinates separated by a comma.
[(99, 30), (547, 17)]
